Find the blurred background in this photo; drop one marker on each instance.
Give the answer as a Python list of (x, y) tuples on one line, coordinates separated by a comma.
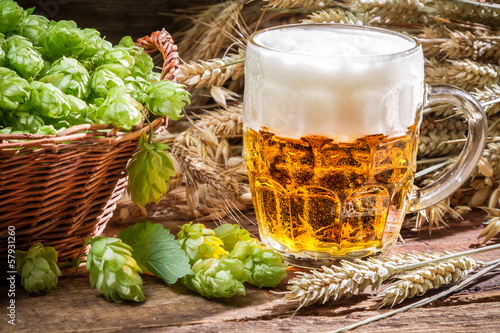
[(118, 18)]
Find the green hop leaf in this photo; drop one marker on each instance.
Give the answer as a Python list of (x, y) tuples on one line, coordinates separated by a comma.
[(113, 270), (34, 28), (165, 98), (22, 56), (148, 172), (14, 90), (38, 268), (11, 14), (200, 242), (102, 81), (217, 278), (230, 234), (49, 101), (265, 266), (120, 109), (69, 76), (64, 38), (157, 251)]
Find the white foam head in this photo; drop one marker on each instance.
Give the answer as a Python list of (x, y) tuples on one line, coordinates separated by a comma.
[(338, 81)]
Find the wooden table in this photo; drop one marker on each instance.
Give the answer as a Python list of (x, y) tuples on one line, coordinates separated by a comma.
[(75, 307)]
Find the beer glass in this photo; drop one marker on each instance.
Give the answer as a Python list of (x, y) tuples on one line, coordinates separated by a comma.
[(331, 120)]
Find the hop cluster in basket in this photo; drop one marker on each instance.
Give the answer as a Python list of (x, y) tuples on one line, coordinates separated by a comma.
[(54, 75)]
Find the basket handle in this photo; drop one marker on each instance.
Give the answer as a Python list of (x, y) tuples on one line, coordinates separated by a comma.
[(162, 41)]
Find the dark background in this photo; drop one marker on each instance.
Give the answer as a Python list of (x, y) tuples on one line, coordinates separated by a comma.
[(117, 18)]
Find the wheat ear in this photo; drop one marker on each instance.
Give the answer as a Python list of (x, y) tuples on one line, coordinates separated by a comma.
[(470, 11), (465, 74), (223, 122), (435, 133), (389, 11), (419, 281), (336, 15), (214, 72), (287, 4), (336, 282)]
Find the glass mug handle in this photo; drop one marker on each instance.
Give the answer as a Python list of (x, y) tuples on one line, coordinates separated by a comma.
[(470, 155)]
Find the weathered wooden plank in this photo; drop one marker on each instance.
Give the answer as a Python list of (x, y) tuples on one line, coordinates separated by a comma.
[(74, 306)]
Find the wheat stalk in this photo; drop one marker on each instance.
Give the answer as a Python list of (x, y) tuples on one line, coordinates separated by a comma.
[(419, 281), (435, 133), (336, 15), (442, 42), (389, 11), (336, 282), (465, 74), (492, 265), (211, 32), (224, 122), (287, 4), (474, 12), (214, 72)]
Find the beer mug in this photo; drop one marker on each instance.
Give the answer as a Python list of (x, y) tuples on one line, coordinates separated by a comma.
[(331, 120)]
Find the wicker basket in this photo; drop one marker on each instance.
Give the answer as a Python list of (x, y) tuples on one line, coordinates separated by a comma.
[(60, 189)]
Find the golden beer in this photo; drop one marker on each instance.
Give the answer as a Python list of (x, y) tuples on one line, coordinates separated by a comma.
[(329, 198)]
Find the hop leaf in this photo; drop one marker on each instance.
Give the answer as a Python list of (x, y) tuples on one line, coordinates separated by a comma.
[(148, 172), (230, 234), (216, 278), (38, 268), (34, 28), (69, 76), (265, 266), (11, 14), (14, 90), (165, 98), (157, 251), (200, 242), (48, 100), (113, 271), (22, 56)]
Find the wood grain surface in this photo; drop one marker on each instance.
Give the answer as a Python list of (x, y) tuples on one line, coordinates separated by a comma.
[(75, 307)]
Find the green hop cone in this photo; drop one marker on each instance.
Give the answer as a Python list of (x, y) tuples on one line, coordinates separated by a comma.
[(22, 57), (119, 55), (14, 90), (230, 234), (137, 86), (148, 172), (63, 38), (165, 98), (34, 28), (120, 109), (113, 271), (93, 43), (38, 268), (3, 43), (102, 81), (49, 101), (265, 266), (217, 278), (199, 242), (143, 63), (11, 14), (69, 76), (23, 120)]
